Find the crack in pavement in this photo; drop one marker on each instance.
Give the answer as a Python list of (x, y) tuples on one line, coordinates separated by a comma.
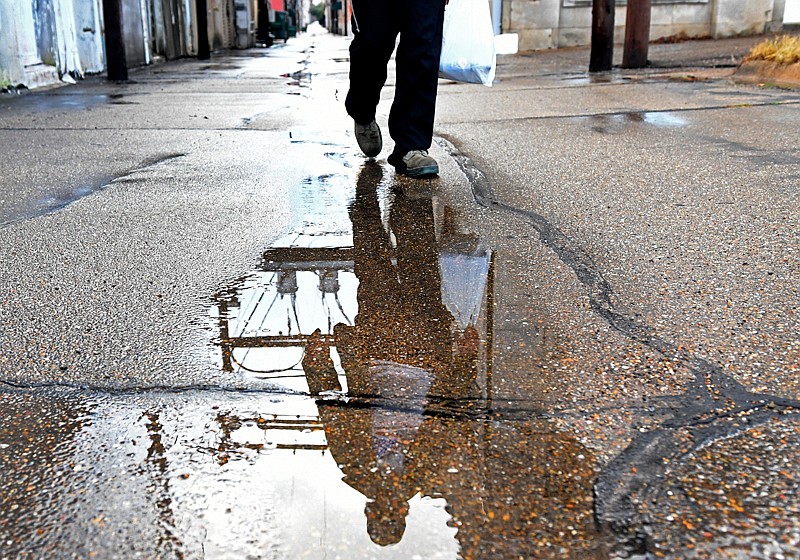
[(715, 405), (446, 407), (601, 293)]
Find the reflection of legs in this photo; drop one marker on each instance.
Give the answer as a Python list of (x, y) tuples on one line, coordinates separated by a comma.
[(375, 31), (418, 268), (418, 258), (378, 286), (377, 278), (318, 366)]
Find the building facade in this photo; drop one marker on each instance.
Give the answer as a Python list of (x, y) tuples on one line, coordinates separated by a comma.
[(44, 41), (544, 24), (338, 15), (547, 24)]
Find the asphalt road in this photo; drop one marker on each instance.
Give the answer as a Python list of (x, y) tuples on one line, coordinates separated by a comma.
[(594, 310)]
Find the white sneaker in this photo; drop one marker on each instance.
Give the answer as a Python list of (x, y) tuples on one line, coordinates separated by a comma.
[(418, 163)]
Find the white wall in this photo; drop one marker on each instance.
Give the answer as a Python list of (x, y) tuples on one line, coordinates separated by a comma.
[(732, 17), (11, 70), (791, 13), (20, 63), (535, 21), (77, 44)]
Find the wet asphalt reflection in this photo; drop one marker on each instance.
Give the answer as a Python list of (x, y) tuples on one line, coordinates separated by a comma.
[(376, 304), (373, 434)]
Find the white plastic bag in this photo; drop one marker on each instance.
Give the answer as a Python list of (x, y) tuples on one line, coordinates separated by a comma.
[(468, 43)]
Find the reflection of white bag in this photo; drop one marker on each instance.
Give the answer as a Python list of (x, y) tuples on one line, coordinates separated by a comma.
[(464, 280), (468, 43)]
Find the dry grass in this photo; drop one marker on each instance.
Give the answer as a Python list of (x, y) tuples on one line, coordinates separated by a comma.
[(783, 50)]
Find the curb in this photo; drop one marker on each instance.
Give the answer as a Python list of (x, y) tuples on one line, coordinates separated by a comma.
[(766, 71)]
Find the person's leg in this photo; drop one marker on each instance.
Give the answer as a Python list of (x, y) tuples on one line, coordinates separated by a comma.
[(374, 33), (412, 113)]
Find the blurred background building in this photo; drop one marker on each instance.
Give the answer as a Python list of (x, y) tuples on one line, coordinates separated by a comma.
[(44, 41)]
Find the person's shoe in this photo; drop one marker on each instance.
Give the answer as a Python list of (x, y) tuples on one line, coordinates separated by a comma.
[(369, 138), (416, 163)]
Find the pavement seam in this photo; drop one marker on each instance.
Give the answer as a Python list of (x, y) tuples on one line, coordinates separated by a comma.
[(623, 113), (442, 406)]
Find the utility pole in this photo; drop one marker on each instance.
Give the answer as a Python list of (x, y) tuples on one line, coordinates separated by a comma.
[(116, 63), (637, 34), (602, 54), (203, 48)]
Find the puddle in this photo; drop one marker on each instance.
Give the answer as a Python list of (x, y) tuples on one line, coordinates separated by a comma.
[(599, 78), (48, 101), (617, 123), (664, 119), (372, 311), (391, 275), (375, 433), (57, 199), (218, 67)]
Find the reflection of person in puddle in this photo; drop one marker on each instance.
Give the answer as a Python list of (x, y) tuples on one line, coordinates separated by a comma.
[(401, 321), (401, 348), (404, 338), (508, 485)]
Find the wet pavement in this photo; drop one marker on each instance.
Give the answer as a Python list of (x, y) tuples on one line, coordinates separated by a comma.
[(251, 343)]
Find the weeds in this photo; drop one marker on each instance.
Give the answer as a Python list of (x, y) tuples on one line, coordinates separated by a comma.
[(784, 49)]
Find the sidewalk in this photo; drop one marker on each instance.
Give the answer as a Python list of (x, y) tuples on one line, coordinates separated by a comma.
[(667, 202), (638, 354)]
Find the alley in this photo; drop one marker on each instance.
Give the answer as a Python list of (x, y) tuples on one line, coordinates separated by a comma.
[(226, 335)]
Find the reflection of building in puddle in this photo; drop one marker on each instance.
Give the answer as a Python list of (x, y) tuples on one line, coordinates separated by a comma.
[(238, 434), (305, 282), (266, 322)]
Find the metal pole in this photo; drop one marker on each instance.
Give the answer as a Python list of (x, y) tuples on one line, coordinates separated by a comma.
[(602, 54), (116, 63), (637, 34), (203, 48)]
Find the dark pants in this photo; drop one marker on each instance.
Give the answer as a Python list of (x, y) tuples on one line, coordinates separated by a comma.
[(376, 24)]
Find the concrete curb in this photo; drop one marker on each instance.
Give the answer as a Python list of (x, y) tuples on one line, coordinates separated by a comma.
[(784, 75)]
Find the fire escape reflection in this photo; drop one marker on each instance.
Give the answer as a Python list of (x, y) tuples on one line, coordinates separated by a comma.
[(387, 271)]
